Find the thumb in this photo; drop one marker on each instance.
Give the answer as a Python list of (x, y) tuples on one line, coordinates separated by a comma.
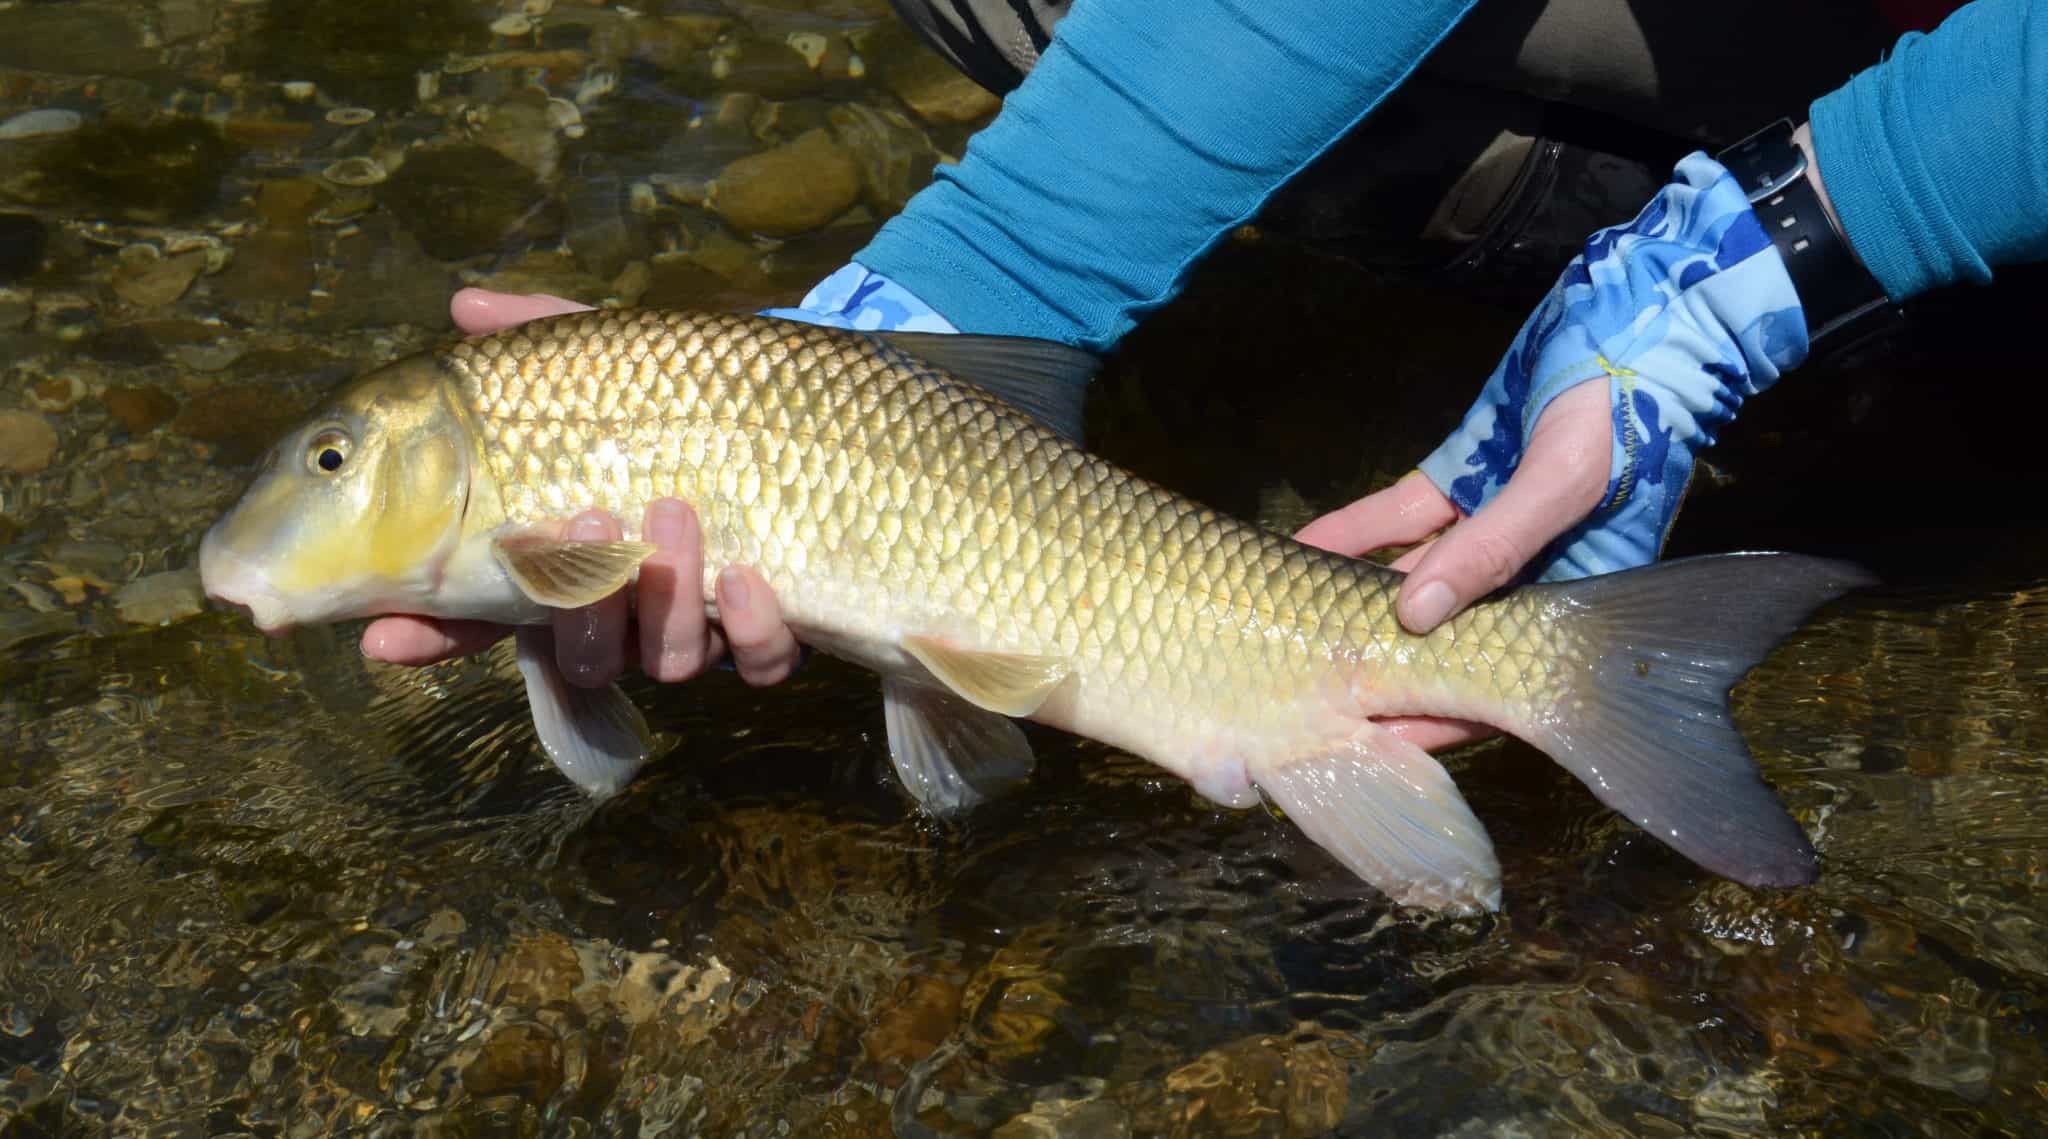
[(1562, 476)]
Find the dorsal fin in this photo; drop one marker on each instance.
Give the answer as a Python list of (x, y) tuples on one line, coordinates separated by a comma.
[(1041, 378)]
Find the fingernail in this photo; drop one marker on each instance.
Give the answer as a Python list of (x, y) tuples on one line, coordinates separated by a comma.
[(667, 521), (588, 526), (732, 589), (1433, 602)]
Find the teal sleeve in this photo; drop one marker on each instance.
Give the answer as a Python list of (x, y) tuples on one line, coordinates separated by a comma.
[(1937, 158), (1148, 130)]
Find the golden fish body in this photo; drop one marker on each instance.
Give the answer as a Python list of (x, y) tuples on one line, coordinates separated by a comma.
[(989, 568)]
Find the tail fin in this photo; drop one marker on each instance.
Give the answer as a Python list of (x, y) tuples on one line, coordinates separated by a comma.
[(1646, 725)]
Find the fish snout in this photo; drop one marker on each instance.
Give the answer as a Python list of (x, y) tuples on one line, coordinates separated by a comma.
[(228, 577)]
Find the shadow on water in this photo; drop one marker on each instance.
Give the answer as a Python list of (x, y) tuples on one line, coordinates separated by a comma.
[(261, 887)]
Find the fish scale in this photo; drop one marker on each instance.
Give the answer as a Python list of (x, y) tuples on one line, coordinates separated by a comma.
[(911, 518)]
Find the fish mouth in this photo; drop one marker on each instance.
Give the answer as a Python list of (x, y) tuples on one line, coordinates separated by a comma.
[(229, 579)]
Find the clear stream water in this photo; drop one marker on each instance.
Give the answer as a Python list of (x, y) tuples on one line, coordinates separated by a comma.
[(261, 887)]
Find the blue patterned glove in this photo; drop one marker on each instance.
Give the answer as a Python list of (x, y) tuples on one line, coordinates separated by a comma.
[(861, 299), (1684, 312)]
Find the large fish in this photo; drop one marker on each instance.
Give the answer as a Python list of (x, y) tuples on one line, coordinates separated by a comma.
[(952, 536)]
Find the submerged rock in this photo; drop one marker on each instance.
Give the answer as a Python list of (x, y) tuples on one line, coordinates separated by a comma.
[(241, 421), (152, 282), (935, 92), (36, 124), (161, 598), (384, 278), (74, 39), (895, 158), (139, 408), (140, 171), (22, 241), (27, 442), (795, 187), (464, 199), (364, 51)]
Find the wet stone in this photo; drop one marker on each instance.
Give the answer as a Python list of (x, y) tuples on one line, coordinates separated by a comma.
[(463, 200), (156, 282), (271, 266), (522, 128), (895, 158), (935, 92), (518, 1059), (27, 442), (602, 230), (139, 409), (795, 187), (920, 1015), (22, 241), (40, 123), (161, 598)]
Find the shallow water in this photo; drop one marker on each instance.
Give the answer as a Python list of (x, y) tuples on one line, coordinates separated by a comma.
[(261, 887)]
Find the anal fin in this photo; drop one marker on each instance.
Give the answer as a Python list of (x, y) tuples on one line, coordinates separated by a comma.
[(949, 754), (1392, 815), (595, 736), (567, 574)]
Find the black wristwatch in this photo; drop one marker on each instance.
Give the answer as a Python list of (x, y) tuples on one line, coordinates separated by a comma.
[(1836, 291)]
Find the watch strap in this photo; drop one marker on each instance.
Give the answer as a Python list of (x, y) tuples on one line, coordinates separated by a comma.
[(1834, 288)]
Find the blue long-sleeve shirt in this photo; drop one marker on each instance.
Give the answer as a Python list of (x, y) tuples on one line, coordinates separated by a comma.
[(1937, 158), (1151, 128), (1147, 131)]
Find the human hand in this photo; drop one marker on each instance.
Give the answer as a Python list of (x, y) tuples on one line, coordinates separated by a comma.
[(1684, 311), (662, 625)]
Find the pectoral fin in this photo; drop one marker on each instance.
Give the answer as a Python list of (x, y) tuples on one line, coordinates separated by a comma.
[(949, 754), (565, 574), (1391, 814), (595, 736), (1013, 684)]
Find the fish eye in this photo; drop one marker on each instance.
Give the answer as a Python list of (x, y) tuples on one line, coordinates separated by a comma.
[(328, 452)]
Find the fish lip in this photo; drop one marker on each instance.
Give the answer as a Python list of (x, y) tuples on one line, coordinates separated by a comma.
[(228, 579)]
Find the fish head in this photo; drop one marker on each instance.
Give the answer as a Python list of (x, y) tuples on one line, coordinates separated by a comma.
[(356, 511)]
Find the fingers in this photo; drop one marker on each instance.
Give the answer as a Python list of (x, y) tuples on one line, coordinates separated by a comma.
[(763, 649), (426, 640), (676, 641), (590, 643), (1404, 513), (1436, 733), (477, 311), (1560, 479)]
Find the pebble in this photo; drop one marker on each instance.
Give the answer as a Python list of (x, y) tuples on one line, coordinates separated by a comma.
[(156, 282), (161, 598), (56, 394), (795, 187), (33, 124), (356, 171), (27, 442), (936, 93), (139, 409)]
